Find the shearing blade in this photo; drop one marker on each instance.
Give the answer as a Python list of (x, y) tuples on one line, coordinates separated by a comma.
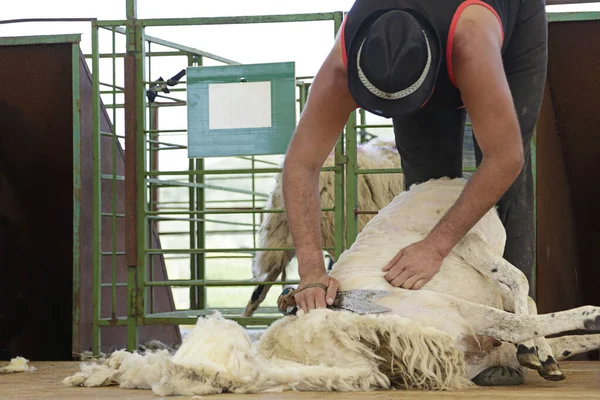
[(360, 301)]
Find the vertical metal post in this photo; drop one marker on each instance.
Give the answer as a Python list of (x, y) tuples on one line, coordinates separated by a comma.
[(534, 170), (340, 160), (114, 183), (192, 207), (153, 192), (97, 195), (351, 181), (76, 104), (200, 225), (142, 190), (200, 235), (363, 122), (131, 171)]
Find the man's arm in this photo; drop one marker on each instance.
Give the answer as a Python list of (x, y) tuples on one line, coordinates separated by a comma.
[(327, 109), (480, 76)]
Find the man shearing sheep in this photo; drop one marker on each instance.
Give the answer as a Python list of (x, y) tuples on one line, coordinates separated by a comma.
[(425, 64)]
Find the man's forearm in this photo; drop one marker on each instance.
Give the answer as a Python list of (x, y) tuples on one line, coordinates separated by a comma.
[(485, 188), (303, 208)]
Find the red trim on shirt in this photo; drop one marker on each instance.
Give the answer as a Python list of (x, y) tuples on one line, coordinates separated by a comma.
[(344, 56), (455, 18)]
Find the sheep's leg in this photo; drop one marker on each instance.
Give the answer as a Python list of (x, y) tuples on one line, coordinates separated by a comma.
[(511, 283), (465, 318), (260, 293), (568, 346), (550, 369)]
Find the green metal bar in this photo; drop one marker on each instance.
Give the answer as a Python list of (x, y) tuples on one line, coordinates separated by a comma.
[(107, 134), (114, 190), (224, 211), (396, 170), (76, 128), (113, 177), (165, 131), (362, 126), (157, 142), (243, 321), (258, 160), (111, 215), (534, 170), (192, 204), (351, 181), (133, 120), (224, 250), (573, 16), (167, 183), (97, 195), (153, 165), (45, 39), (119, 284), (107, 24), (254, 19), (185, 49), (108, 322), (201, 235), (200, 226), (340, 160), (149, 54), (185, 283), (227, 171), (140, 153), (363, 121)]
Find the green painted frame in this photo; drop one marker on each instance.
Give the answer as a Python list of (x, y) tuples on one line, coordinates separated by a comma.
[(206, 142)]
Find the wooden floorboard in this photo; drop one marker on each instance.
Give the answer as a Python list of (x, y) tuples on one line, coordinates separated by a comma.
[(583, 382)]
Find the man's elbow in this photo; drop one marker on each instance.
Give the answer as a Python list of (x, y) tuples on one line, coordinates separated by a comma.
[(513, 163)]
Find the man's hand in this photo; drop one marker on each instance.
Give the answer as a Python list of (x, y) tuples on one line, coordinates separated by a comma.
[(315, 297), (414, 265)]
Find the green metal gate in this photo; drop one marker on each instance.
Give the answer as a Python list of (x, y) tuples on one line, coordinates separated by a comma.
[(144, 209)]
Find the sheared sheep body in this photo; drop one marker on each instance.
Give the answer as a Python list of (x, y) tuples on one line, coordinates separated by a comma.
[(466, 319)]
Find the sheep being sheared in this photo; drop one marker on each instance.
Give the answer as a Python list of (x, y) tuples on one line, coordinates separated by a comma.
[(375, 191), (466, 319)]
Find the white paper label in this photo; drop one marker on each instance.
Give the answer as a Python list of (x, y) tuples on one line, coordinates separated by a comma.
[(239, 105)]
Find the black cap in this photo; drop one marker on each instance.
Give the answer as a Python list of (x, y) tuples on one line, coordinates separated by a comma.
[(393, 63)]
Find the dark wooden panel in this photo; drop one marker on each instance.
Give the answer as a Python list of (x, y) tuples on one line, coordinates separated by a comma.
[(36, 155), (558, 287), (574, 75)]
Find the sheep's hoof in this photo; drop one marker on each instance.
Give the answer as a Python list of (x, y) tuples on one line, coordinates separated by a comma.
[(528, 357), (500, 376), (551, 370)]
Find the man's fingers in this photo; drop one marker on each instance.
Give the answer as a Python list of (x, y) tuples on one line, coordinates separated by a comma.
[(394, 272), (392, 262), (410, 281), (331, 291), (419, 284), (320, 301), (402, 277), (301, 304)]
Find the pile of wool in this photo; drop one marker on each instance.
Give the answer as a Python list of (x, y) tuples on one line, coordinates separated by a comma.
[(323, 350), (17, 364)]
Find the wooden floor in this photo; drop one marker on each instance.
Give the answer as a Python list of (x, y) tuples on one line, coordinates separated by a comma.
[(583, 382)]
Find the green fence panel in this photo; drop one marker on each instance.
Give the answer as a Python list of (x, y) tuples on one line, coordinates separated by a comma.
[(240, 109)]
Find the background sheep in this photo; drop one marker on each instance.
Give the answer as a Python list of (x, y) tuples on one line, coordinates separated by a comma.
[(375, 191)]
